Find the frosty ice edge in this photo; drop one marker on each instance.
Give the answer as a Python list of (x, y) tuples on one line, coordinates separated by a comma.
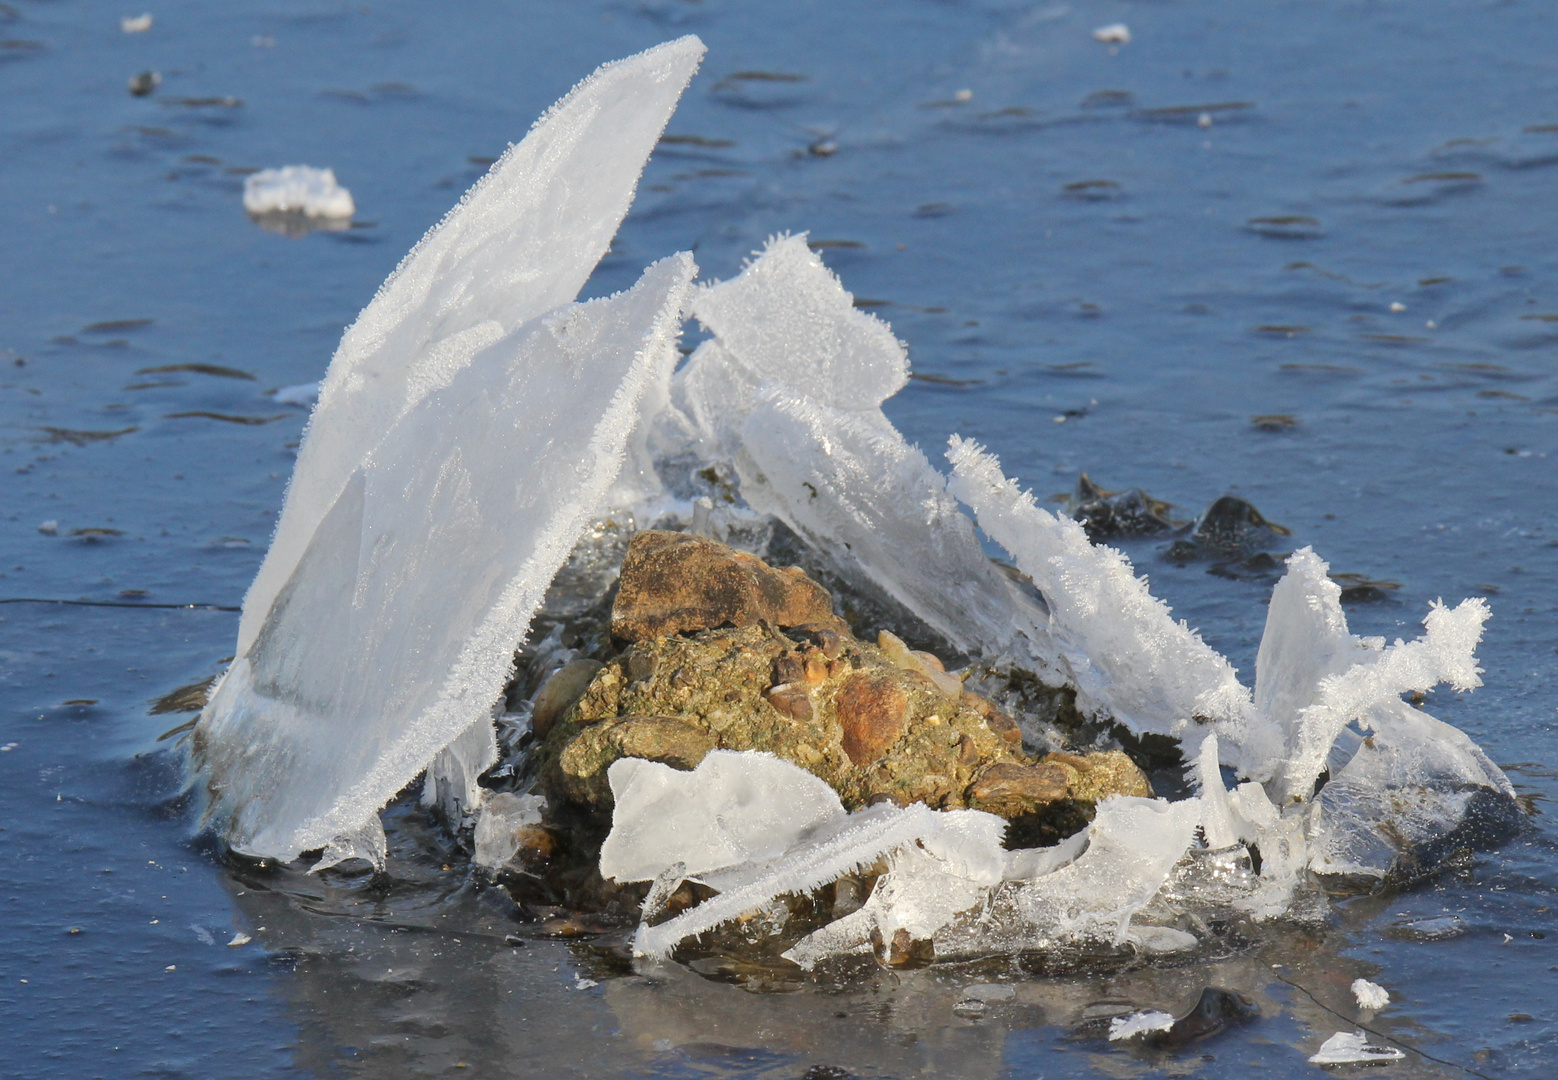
[(479, 431)]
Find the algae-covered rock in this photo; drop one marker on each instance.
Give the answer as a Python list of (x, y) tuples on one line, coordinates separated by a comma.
[(875, 721)]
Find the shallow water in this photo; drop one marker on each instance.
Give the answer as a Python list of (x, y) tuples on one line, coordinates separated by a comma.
[(1352, 157)]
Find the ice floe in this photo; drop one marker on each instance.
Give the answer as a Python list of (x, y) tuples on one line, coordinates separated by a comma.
[(1353, 1048)]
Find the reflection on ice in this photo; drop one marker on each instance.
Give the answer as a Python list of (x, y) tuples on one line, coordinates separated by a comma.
[(476, 420)]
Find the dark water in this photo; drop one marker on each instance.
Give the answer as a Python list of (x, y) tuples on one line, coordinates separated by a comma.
[(1089, 275)]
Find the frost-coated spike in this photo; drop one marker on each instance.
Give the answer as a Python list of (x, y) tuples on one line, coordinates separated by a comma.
[(1129, 657), (1445, 653)]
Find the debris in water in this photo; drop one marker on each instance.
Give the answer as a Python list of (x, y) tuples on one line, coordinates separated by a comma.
[(135, 24), (1113, 34), (143, 84), (1370, 995), (49, 528), (240, 939), (1353, 1048)]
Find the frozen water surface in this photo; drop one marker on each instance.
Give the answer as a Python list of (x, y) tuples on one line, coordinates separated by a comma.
[(1239, 213)]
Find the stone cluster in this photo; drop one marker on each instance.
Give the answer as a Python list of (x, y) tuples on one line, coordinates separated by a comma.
[(722, 650)]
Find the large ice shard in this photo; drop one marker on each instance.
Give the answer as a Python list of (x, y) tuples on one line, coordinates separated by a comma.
[(790, 389), (1129, 658), (522, 242), (396, 630)]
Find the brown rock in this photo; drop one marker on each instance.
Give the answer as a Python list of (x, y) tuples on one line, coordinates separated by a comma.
[(674, 583), (1014, 790), (792, 700), (873, 711), (996, 720), (661, 738), (558, 694)]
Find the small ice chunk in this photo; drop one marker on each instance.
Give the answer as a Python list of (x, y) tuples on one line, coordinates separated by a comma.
[(585, 984), (135, 24), (49, 528), (1370, 995), (735, 807), (297, 189), (1146, 1022), (303, 395), (502, 815), (240, 939), (1113, 34), (1161, 940), (1353, 1048)]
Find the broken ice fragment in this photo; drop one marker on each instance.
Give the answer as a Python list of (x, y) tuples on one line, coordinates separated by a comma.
[(396, 631), (303, 395), (1353, 1048), (503, 814), (297, 189), (1138, 1024), (1370, 995), (135, 24), (521, 243), (733, 808)]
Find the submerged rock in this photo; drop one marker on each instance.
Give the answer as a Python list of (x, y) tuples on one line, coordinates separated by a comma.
[(1109, 514), (876, 722), (1231, 528)]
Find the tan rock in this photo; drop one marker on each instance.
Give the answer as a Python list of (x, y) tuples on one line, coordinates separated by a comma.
[(1098, 775), (676, 583), (872, 709), (562, 689), (1012, 790)]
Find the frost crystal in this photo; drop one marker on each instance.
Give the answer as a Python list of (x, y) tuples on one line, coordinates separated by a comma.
[(1139, 1023)]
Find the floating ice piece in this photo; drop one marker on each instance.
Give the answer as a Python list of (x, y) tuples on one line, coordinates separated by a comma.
[(396, 631), (790, 390), (135, 24), (1349, 1048), (1416, 788), (521, 243), (303, 395), (735, 807), (297, 189), (1137, 1024), (503, 813), (1113, 34), (751, 802), (240, 939), (1370, 995), (1128, 657)]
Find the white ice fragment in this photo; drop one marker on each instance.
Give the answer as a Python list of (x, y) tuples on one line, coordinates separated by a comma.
[(585, 984), (1445, 653), (1370, 995), (303, 395), (1161, 940), (521, 243), (1349, 1048), (395, 633), (1411, 783), (752, 802), (240, 939), (1127, 655), (496, 836), (735, 807), (1139, 1023), (1133, 844), (203, 934), (1113, 34), (297, 189), (1217, 819), (789, 389), (135, 24), (49, 528)]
